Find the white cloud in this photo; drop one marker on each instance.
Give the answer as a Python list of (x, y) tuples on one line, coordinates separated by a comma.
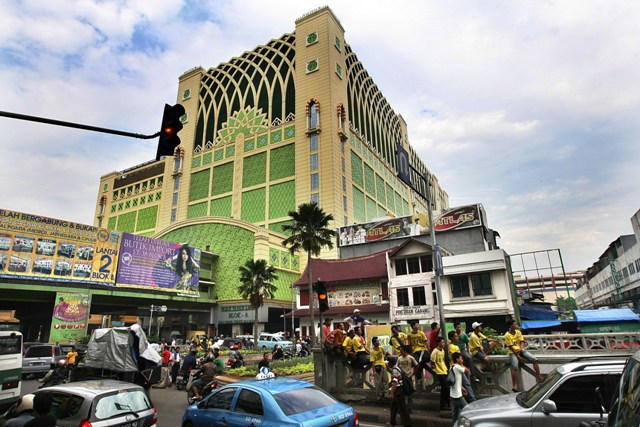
[(529, 108)]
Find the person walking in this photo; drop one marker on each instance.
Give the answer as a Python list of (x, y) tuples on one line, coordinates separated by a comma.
[(175, 363), (517, 354), (437, 360), (457, 391), (398, 394), (377, 357), (409, 366)]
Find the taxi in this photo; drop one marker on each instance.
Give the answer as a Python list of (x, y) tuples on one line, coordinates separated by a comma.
[(270, 402)]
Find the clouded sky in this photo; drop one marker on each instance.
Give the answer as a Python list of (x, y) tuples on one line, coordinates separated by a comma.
[(530, 108)]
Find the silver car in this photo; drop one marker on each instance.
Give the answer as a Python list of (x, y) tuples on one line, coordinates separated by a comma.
[(39, 357), (101, 403), (566, 397)]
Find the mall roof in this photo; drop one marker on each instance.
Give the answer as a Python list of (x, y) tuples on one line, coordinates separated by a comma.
[(346, 270)]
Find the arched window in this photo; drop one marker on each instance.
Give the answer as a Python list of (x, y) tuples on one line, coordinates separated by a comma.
[(103, 205), (178, 156), (313, 114)]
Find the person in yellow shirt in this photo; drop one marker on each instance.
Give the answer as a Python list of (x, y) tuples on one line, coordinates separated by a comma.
[(517, 354), (475, 344), (377, 357), (438, 363), (418, 342), (398, 339), (453, 345), (72, 356), (347, 347)]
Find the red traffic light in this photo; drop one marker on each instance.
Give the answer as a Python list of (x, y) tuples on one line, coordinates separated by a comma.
[(171, 125)]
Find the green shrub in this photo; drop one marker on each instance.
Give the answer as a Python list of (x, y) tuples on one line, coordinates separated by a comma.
[(244, 371)]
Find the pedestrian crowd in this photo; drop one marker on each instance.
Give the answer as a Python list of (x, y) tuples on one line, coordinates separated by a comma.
[(401, 373)]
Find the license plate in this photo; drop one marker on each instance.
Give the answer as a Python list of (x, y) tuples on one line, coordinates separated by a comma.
[(130, 424), (37, 363)]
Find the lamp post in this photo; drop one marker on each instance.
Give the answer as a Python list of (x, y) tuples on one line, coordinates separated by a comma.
[(161, 309)]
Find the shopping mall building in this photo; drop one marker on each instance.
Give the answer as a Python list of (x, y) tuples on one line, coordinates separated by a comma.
[(295, 120)]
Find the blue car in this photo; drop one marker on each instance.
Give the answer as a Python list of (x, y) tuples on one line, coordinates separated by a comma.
[(273, 402)]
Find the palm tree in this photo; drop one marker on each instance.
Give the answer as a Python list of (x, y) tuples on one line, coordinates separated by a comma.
[(308, 231), (256, 279)]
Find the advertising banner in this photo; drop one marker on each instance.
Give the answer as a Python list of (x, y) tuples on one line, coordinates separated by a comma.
[(147, 263), (33, 246), (70, 317), (414, 225)]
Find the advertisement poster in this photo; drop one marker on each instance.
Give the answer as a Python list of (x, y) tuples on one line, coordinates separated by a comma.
[(147, 263), (70, 317), (414, 225), (33, 246)]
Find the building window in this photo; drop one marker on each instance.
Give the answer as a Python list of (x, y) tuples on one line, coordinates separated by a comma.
[(401, 267), (344, 165), (103, 205), (315, 198), (403, 297), (481, 284), (175, 199), (314, 162), (625, 272), (173, 215), (313, 115), (345, 220), (105, 188), (339, 70), (178, 156), (344, 203), (337, 44), (342, 147), (419, 296), (312, 38), (99, 222), (313, 142), (413, 264), (186, 94), (315, 181), (176, 183), (434, 293), (632, 268), (344, 184), (460, 287), (426, 264)]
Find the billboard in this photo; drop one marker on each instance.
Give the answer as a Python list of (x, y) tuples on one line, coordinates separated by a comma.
[(33, 246), (153, 264), (413, 225), (70, 317)]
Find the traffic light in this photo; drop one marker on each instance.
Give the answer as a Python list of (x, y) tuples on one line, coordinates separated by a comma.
[(171, 125), (323, 297)]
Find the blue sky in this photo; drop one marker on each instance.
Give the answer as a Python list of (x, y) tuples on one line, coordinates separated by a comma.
[(530, 108)]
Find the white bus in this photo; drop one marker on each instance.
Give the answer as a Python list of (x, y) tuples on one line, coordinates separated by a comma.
[(10, 368)]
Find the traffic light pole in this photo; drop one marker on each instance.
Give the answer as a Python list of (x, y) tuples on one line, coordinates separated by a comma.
[(75, 125)]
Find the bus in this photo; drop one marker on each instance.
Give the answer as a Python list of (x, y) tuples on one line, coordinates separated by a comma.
[(10, 368)]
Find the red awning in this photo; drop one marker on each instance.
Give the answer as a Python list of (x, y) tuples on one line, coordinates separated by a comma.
[(345, 310), (347, 270)]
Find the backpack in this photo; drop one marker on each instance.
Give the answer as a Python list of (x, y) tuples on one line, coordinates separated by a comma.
[(451, 378)]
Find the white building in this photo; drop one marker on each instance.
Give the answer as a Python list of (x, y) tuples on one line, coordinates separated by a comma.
[(614, 280)]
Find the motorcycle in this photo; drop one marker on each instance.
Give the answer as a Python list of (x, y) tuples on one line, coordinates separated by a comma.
[(55, 376), (182, 379), (236, 360), (204, 391)]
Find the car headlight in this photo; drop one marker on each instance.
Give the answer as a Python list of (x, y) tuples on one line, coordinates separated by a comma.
[(464, 422)]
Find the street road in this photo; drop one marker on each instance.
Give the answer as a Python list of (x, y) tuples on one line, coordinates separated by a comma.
[(170, 404)]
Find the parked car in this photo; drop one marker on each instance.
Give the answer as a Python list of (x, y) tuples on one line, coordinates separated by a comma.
[(270, 403), (269, 341), (39, 357), (625, 407), (101, 403), (566, 397)]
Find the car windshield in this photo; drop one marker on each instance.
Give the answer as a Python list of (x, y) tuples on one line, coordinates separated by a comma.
[(302, 400), (123, 402), (39, 351), (532, 396)]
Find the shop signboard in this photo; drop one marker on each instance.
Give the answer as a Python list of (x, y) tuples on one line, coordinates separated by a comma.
[(70, 317), (413, 225), (153, 264), (230, 314), (413, 312), (33, 246)]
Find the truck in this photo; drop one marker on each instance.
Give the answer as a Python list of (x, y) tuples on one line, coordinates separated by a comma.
[(121, 353)]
